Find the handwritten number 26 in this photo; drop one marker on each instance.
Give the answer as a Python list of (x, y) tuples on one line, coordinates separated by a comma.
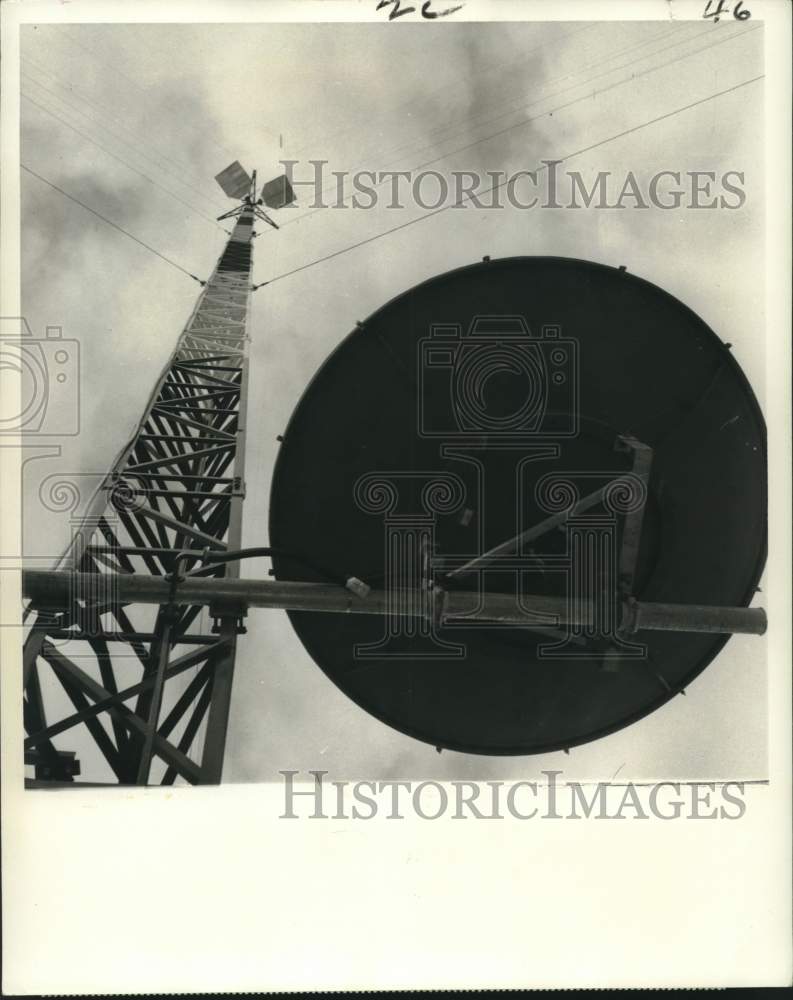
[(399, 11)]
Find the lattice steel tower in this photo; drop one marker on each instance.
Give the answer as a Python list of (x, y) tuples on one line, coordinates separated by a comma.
[(170, 507)]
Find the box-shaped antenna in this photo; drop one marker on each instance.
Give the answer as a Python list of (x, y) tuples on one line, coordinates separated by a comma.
[(234, 180), (278, 192)]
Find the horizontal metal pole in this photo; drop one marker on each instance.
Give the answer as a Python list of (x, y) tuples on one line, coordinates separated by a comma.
[(54, 589), (699, 618)]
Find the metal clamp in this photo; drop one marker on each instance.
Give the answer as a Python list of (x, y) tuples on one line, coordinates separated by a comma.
[(170, 610), (220, 613)]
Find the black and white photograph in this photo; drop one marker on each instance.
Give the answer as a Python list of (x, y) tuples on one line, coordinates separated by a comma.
[(396, 434)]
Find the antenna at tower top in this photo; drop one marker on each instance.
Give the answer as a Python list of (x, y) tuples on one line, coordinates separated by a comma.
[(234, 180), (236, 183)]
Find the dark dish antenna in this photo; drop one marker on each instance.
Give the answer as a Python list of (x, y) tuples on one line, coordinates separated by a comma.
[(469, 450)]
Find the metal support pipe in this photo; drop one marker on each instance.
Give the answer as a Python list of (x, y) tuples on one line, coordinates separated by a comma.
[(683, 618), (54, 589)]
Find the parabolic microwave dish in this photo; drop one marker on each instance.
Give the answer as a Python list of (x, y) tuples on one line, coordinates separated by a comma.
[(481, 405)]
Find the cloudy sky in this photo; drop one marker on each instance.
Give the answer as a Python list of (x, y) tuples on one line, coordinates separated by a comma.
[(135, 121)]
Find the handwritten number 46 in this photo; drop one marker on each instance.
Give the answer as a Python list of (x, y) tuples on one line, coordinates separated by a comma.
[(426, 9), (737, 12)]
